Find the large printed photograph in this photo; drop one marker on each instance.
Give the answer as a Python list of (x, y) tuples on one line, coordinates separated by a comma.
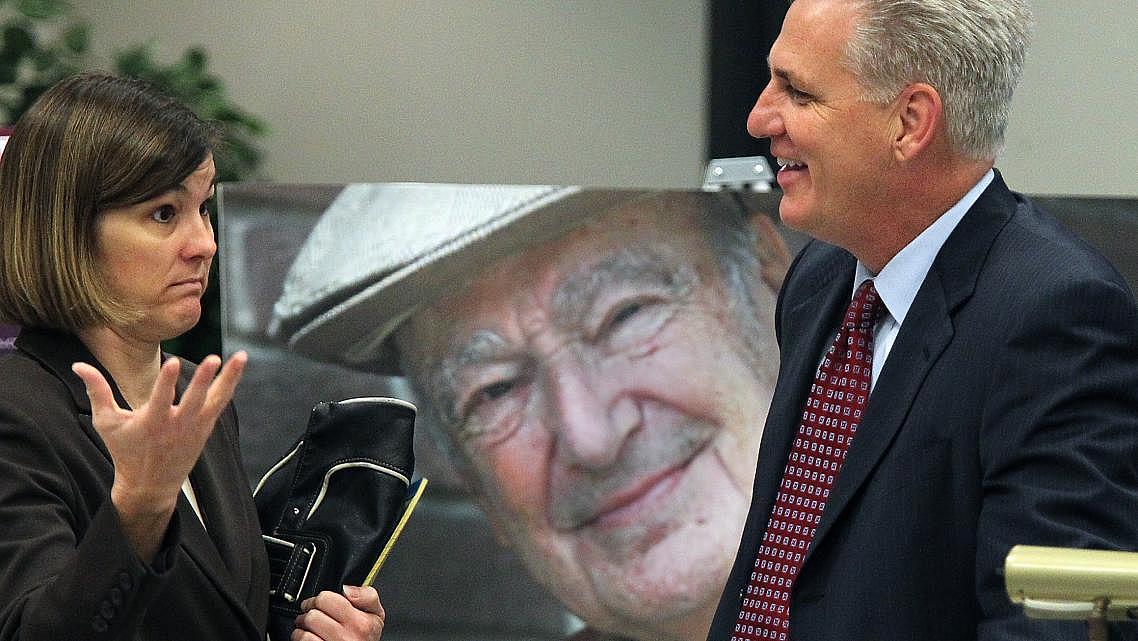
[(591, 367)]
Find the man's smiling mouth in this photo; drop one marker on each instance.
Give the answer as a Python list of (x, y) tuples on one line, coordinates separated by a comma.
[(788, 164)]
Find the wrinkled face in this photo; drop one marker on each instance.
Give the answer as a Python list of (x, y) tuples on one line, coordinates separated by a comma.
[(609, 406), (832, 145), (156, 256)]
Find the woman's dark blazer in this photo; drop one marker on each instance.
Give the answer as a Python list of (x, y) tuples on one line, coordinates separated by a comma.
[(66, 568)]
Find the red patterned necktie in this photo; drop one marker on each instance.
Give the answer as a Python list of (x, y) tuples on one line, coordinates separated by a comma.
[(829, 422)]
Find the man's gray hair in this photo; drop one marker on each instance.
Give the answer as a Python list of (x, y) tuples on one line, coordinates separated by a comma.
[(971, 51)]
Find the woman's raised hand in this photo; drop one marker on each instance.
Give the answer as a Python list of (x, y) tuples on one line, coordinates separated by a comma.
[(155, 446)]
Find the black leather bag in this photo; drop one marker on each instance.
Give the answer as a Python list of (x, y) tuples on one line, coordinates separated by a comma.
[(332, 506)]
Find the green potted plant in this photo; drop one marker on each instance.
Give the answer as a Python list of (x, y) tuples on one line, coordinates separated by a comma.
[(40, 45)]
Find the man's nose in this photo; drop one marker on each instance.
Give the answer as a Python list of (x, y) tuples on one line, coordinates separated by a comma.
[(588, 419), (764, 120)]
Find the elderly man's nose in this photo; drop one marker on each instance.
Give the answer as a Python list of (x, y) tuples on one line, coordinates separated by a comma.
[(589, 421), (764, 120)]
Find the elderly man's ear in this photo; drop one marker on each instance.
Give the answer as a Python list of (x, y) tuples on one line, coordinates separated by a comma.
[(774, 255)]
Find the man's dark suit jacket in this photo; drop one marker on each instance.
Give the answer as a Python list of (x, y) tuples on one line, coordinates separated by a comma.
[(66, 568), (1006, 412)]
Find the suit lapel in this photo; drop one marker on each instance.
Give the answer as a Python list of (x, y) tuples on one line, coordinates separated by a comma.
[(56, 351), (927, 331), (217, 547), (220, 545), (212, 551), (830, 283)]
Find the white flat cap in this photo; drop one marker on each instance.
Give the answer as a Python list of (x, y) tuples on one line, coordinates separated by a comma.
[(380, 251)]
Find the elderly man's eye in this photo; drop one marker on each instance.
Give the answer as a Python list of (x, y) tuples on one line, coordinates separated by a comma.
[(633, 318), (623, 313), (494, 391), (483, 398), (631, 325), (489, 414)]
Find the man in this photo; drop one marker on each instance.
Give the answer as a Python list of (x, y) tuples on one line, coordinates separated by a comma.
[(1002, 402), (598, 364)]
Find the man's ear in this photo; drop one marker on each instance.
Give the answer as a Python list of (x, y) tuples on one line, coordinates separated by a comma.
[(774, 255), (920, 116)]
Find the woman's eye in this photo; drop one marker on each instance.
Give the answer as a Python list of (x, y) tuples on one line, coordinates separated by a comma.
[(163, 214), (204, 208)]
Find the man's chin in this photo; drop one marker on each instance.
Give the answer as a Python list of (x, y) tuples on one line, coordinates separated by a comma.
[(795, 212), (652, 607), (651, 583)]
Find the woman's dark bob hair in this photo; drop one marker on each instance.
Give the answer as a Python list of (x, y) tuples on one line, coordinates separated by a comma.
[(90, 143)]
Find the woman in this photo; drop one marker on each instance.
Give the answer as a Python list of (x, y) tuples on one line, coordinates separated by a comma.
[(125, 509)]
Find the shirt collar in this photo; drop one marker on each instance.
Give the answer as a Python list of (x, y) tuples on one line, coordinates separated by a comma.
[(897, 283)]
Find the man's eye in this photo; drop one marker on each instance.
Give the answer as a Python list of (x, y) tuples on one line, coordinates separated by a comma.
[(483, 397), (494, 391), (624, 313), (632, 325), (204, 208), (490, 414), (626, 316), (163, 214), (796, 95)]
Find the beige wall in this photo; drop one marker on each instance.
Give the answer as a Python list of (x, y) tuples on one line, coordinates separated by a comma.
[(591, 92), (1075, 123), (576, 91)]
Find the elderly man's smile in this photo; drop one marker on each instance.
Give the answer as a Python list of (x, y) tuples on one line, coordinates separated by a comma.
[(641, 489), (631, 506)]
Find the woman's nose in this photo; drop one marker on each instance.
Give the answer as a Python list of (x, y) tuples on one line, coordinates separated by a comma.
[(200, 242)]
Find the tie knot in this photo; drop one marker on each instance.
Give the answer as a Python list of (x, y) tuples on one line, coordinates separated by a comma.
[(865, 308)]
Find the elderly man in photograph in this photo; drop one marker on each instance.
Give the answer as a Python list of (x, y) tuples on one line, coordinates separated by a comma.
[(597, 365), (959, 373)]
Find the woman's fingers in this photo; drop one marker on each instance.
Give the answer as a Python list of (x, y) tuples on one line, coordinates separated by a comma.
[(155, 446), (98, 389), (210, 391), (365, 598), (355, 615), (162, 394), (225, 385), (195, 392)]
